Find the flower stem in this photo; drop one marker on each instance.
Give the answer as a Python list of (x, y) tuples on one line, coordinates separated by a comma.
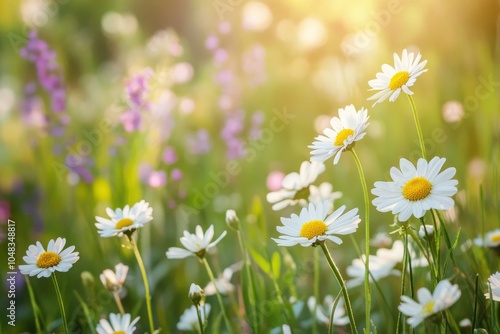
[(146, 284), (341, 282), (417, 124), (251, 285), (316, 290), (200, 322), (118, 302), (403, 279), (36, 310), (368, 294), (212, 278), (61, 304)]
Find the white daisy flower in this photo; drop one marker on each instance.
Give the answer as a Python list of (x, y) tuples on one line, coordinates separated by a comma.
[(443, 297), (392, 80), (323, 311), (395, 254), (323, 193), (43, 263), (124, 221), (196, 244), (345, 131), (491, 239), (196, 294), (117, 324), (295, 186), (189, 319), (494, 281), (114, 280), (416, 190), (313, 226)]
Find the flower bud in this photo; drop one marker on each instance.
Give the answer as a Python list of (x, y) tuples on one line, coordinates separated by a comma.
[(196, 294), (232, 220)]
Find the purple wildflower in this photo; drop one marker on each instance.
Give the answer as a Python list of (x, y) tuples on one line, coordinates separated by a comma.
[(169, 155), (199, 143)]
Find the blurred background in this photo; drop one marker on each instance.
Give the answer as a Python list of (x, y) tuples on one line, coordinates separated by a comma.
[(185, 104)]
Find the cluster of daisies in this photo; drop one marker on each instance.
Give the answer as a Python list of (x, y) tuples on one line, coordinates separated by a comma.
[(414, 190)]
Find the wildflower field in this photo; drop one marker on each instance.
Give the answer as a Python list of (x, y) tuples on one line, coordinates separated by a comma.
[(231, 166)]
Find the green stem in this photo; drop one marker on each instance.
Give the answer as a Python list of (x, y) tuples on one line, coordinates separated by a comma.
[(200, 322), (36, 310), (146, 284), (251, 290), (219, 297), (118, 302), (403, 281), (368, 294), (417, 124), (316, 289), (61, 304), (341, 282)]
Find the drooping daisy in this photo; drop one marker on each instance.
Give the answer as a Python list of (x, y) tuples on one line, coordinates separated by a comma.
[(114, 280), (43, 263), (323, 311), (196, 244), (494, 281), (189, 319), (413, 191), (392, 80), (196, 294), (445, 294), (345, 131), (124, 221), (117, 324), (295, 186), (313, 226), (491, 239)]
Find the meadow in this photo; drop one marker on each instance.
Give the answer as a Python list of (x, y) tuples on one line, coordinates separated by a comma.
[(269, 147)]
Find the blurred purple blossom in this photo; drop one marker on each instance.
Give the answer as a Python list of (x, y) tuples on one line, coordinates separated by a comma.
[(176, 174), (169, 155), (137, 88), (4, 211), (199, 143), (230, 133), (32, 108), (256, 127), (131, 120), (211, 42), (151, 177), (38, 52)]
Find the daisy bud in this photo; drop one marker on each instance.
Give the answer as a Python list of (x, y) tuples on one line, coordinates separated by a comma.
[(232, 220), (87, 279), (196, 294), (428, 230)]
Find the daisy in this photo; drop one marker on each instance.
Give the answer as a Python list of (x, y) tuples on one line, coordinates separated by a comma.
[(43, 263), (119, 324), (491, 239), (313, 226), (189, 319), (443, 297), (392, 80), (414, 190), (494, 281), (114, 280), (323, 311), (196, 294), (124, 221), (196, 244), (345, 131), (295, 186)]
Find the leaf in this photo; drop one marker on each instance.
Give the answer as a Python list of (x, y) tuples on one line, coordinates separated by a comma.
[(276, 265), (261, 261)]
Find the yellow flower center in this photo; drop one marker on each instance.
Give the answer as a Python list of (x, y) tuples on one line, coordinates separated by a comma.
[(342, 136), (47, 260), (124, 222), (428, 308), (119, 332), (417, 188), (398, 80), (313, 229), (495, 238)]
